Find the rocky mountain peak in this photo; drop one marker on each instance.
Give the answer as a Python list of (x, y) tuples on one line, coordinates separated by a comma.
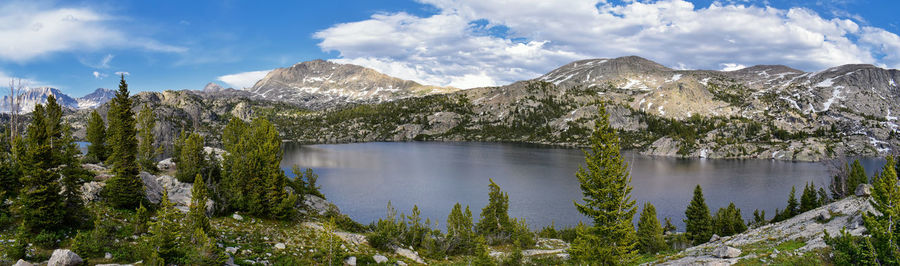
[(319, 84), (212, 87), (96, 98)]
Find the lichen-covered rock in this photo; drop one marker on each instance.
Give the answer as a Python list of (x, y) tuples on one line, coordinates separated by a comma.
[(22, 262), (64, 257), (90, 191), (409, 254), (380, 258), (351, 261)]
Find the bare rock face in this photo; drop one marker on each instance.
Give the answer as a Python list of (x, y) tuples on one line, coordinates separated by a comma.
[(319, 84), (179, 193), (64, 257)]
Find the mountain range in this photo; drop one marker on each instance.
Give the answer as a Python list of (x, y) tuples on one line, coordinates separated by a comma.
[(29, 97), (766, 111)]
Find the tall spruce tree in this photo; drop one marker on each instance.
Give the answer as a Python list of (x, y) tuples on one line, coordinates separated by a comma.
[(605, 186), (698, 224), (147, 150), (649, 232), (191, 158), (124, 190), (792, 208), (96, 135), (885, 228), (41, 205), (197, 213), (164, 238), (494, 224)]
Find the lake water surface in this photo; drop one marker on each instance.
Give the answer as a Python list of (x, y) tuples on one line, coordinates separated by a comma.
[(361, 178)]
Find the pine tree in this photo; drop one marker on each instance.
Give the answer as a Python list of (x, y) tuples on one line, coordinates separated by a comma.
[(823, 197), (459, 231), (96, 135), (607, 200), (885, 228), (124, 190), (191, 158), (759, 218), (698, 224), (649, 232), (147, 150), (482, 254), (729, 221), (165, 233), (252, 177), (808, 200), (857, 176), (494, 224), (41, 205), (197, 213), (792, 208)]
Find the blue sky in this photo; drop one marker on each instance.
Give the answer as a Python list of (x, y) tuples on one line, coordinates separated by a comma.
[(79, 46)]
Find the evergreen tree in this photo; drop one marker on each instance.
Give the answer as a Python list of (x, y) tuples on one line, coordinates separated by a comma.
[(885, 228), (197, 213), (823, 197), (606, 189), (482, 254), (124, 190), (857, 176), (459, 231), (649, 232), (668, 227), (494, 224), (252, 177), (165, 233), (698, 224), (808, 200), (792, 208), (729, 221), (96, 135), (759, 218), (147, 150), (41, 205), (191, 158)]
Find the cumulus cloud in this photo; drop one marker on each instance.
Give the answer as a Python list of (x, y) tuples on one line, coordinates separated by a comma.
[(31, 30), (243, 79), (481, 43)]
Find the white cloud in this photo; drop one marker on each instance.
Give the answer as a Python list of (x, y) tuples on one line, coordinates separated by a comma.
[(243, 79), (122, 73), (31, 30), (732, 66), (455, 46)]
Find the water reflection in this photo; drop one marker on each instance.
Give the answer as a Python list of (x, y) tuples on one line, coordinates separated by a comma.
[(361, 178)]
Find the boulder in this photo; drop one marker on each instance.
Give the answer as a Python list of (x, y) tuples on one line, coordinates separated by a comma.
[(714, 238), (90, 191), (64, 257), (22, 262), (237, 217), (864, 190), (166, 165), (179, 193), (319, 205), (231, 250), (107, 256), (400, 263), (350, 261), (93, 167), (409, 254), (279, 246), (824, 216), (380, 258), (726, 252)]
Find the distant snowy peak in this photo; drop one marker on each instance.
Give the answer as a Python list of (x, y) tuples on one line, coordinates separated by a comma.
[(321, 84), (34, 96), (96, 98)]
